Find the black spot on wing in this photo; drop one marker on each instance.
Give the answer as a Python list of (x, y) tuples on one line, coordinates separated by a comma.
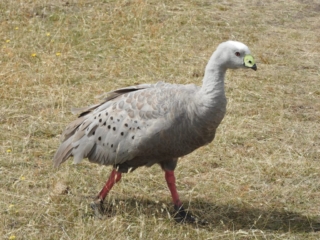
[(93, 131)]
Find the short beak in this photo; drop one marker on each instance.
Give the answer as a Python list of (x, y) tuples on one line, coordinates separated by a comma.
[(254, 67)]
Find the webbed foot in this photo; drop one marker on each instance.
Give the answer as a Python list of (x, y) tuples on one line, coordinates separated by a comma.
[(98, 208), (183, 216)]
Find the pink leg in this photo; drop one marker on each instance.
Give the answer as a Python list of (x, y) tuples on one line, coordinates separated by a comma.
[(114, 178), (171, 181), (181, 215)]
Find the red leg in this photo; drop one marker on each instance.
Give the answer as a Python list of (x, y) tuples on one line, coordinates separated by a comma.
[(114, 178), (171, 181), (181, 215)]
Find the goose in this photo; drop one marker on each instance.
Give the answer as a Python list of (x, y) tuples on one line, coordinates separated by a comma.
[(153, 123)]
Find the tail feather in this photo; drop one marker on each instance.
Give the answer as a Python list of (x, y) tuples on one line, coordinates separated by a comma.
[(63, 152)]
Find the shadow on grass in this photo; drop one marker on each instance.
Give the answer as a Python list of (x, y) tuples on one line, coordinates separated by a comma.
[(224, 217), (234, 217)]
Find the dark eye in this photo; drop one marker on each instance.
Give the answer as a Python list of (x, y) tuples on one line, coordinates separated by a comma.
[(237, 54)]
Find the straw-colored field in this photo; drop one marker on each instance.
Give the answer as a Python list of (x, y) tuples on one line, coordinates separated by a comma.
[(259, 179)]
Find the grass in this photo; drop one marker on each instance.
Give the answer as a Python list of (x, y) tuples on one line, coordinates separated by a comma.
[(259, 179)]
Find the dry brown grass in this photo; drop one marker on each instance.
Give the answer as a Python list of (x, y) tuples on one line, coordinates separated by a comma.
[(259, 179)]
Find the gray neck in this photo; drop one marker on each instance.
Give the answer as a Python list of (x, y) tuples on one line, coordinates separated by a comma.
[(213, 81), (211, 97)]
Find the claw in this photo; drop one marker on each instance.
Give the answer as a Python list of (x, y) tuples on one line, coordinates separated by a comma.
[(183, 216)]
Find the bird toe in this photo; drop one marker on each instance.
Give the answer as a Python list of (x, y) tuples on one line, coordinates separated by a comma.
[(183, 216)]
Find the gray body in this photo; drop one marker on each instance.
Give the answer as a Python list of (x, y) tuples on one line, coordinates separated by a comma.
[(152, 123)]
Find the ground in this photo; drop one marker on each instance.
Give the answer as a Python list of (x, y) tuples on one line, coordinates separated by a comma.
[(259, 179)]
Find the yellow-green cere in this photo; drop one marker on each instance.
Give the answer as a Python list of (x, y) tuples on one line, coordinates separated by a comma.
[(249, 61)]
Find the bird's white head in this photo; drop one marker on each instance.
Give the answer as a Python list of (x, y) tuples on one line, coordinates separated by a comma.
[(233, 54)]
